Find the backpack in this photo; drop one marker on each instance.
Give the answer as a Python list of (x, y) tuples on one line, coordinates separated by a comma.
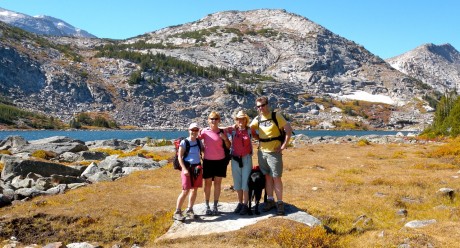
[(228, 153), (282, 136), (177, 141)]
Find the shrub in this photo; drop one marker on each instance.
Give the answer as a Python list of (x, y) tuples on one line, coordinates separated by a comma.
[(451, 150), (363, 142), (162, 142), (305, 237), (43, 154), (5, 152), (399, 154), (436, 166), (109, 151)]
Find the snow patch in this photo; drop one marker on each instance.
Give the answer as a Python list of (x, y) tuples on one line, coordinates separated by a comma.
[(364, 96)]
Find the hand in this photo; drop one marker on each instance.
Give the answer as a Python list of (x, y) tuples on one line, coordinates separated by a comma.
[(223, 136), (281, 148), (186, 173)]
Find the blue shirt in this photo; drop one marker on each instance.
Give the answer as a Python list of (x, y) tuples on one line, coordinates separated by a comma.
[(193, 156)]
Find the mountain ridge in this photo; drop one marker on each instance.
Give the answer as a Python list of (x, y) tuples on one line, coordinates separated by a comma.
[(42, 24), (258, 51), (436, 65)]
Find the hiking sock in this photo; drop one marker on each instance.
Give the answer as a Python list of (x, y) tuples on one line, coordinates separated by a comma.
[(215, 203)]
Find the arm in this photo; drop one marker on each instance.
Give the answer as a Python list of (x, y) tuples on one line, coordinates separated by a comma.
[(181, 161), (288, 129), (255, 135), (224, 137)]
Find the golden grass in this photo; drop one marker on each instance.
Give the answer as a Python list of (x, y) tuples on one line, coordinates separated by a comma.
[(354, 190)]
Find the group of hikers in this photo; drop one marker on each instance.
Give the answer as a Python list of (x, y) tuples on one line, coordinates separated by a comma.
[(273, 133)]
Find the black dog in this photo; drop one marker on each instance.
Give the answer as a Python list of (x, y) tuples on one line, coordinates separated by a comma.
[(256, 184)]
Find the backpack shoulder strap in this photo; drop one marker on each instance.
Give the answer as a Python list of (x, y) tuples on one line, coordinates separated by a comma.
[(274, 119), (187, 147)]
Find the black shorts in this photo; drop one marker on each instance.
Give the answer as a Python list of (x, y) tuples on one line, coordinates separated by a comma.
[(214, 168)]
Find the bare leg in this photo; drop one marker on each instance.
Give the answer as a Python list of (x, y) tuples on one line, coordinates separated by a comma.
[(207, 189), (269, 185), (245, 196), (192, 198), (181, 198), (240, 195), (217, 188), (278, 186)]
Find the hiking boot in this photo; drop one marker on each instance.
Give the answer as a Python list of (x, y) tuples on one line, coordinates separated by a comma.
[(238, 208), (178, 216), (208, 211), (244, 209), (190, 214), (215, 211), (268, 205), (280, 207)]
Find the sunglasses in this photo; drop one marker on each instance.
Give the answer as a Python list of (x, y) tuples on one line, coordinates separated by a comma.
[(261, 105), (214, 119), (194, 130)]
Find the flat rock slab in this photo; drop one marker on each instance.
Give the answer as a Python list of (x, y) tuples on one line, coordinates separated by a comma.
[(228, 221)]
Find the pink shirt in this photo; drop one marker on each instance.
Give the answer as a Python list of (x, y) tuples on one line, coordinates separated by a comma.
[(241, 141), (213, 149)]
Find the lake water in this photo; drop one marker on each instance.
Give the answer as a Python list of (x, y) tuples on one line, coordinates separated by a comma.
[(133, 134)]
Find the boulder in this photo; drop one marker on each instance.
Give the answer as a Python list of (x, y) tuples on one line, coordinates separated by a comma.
[(59, 189), (69, 157), (90, 170), (115, 144), (110, 162), (140, 162), (16, 166), (13, 142), (56, 144), (27, 193), (92, 155), (419, 223), (100, 176)]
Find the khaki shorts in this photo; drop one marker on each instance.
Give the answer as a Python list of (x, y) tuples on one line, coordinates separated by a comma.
[(270, 163)]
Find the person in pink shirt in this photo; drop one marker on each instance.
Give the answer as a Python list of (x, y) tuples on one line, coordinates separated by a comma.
[(214, 163), (241, 160)]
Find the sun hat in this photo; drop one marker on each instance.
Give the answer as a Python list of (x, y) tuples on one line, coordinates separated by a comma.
[(241, 114), (193, 125)]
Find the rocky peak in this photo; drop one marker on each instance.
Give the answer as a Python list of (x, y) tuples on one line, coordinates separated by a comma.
[(436, 65), (287, 47), (44, 25)]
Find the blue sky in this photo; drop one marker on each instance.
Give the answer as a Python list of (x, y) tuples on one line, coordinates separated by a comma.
[(385, 27)]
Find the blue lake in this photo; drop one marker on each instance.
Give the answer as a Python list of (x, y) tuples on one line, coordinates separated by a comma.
[(133, 134)]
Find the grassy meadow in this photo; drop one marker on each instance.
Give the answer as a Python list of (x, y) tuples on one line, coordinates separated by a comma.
[(359, 191)]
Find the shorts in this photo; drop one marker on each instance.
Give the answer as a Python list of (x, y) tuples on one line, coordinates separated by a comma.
[(241, 174), (270, 163), (191, 181), (214, 168)]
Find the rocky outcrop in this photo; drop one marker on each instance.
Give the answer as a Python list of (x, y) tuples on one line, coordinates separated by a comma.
[(24, 176)]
